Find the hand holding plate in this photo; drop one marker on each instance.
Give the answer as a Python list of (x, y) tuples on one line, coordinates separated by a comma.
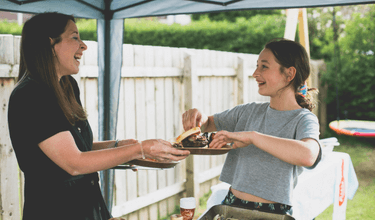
[(162, 150)]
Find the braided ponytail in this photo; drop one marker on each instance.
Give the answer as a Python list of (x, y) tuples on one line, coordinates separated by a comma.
[(307, 101)]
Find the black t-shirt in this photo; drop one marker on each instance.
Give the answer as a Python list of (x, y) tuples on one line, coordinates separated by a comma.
[(34, 115)]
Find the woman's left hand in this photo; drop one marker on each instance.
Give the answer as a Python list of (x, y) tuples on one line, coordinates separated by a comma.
[(236, 139)]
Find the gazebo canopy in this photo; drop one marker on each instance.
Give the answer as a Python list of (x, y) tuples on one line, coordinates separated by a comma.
[(120, 9), (110, 15)]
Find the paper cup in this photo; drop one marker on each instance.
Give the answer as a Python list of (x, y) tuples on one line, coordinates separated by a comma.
[(187, 208), (187, 203)]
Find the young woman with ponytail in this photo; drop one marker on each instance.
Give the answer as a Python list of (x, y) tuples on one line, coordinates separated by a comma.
[(271, 141)]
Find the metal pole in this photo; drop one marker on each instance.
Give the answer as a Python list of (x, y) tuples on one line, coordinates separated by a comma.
[(335, 57), (110, 41)]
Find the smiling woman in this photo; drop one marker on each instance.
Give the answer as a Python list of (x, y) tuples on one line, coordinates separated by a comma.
[(271, 141), (50, 133)]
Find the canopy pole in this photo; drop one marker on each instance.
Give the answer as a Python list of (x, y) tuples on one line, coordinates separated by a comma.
[(293, 17), (291, 23), (303, 29), (110, 43)]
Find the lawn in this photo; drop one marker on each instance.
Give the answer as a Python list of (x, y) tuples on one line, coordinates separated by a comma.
[(362, 153)]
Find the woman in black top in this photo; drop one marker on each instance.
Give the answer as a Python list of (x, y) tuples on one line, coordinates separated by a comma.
[(50, 133)]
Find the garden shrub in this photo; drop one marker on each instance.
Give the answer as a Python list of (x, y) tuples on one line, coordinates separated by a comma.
[(10, 28), (244, 35)]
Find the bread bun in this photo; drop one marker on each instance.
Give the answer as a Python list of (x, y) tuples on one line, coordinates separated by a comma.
[(187, 133)]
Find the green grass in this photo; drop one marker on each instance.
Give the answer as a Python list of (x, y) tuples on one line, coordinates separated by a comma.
[(176, 211), (362, 153)]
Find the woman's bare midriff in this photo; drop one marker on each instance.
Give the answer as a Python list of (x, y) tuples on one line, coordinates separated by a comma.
[(248, 197)]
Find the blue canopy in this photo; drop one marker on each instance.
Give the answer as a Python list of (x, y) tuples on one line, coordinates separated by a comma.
[(110, 26), (120, 9)]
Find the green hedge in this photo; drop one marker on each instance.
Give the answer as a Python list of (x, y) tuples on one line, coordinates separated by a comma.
[(10, 28), (245, 36)]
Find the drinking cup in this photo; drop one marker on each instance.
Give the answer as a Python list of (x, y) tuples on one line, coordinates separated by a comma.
[(187, 208)]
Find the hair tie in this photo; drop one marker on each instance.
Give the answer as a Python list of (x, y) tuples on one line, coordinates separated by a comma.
[(303, 89)]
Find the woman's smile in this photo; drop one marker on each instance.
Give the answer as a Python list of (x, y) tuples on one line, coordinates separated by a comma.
[(77, 57), (260, 83)]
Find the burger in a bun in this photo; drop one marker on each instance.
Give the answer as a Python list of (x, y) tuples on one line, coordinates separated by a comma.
[(193, 138)]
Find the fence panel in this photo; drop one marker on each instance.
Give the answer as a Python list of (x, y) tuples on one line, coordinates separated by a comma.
[(9, 178)]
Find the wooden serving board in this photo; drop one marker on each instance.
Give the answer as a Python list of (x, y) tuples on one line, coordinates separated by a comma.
[(154, 164), (207, 151)]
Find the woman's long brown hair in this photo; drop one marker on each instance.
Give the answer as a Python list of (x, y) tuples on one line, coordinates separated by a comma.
[(37, 60)]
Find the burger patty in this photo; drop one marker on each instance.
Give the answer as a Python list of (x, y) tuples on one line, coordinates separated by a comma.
[(195, 141)]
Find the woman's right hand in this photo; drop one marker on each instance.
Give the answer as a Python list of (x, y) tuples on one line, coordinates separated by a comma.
[(162, 150), (193, 118)]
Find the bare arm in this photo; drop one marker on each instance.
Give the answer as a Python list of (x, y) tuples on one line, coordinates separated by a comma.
[(62, 150), (99, 145), (297, 152)]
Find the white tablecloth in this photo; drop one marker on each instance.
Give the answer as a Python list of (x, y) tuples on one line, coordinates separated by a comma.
[(332, 181)]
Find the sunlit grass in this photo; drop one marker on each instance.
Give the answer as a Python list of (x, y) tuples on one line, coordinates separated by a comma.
[(362, 153)]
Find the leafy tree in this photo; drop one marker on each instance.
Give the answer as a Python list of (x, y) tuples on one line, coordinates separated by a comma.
[(320, 21), (355, 70)]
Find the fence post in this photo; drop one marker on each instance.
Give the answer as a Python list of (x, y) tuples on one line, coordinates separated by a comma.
[(242, 79), (9, 191), (318, 67), (190, 81)]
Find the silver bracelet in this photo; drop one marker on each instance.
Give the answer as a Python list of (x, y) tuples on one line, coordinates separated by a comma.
[(143, 155), (116, 143)]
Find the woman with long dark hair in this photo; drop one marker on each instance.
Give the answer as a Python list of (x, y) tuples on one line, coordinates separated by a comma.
[(50, 133), (271, 141)]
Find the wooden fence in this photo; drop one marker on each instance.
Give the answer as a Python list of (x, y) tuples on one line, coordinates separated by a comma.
[(158, 84)]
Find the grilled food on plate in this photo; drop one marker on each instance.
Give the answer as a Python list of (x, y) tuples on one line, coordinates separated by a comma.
[(193, 138)]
